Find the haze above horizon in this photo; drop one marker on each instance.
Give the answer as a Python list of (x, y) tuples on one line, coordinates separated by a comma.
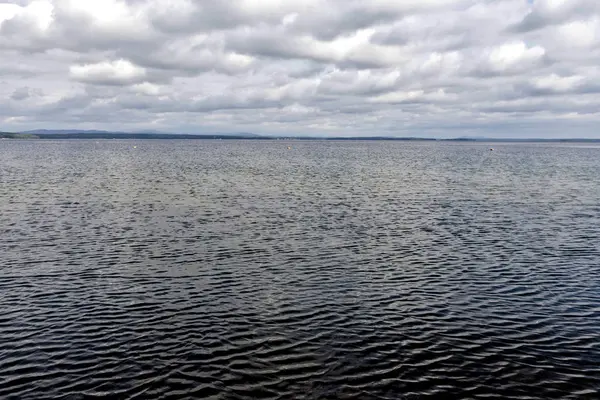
[(427, 68)]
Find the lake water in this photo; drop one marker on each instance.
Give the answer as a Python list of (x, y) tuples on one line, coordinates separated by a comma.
[(331, 270)]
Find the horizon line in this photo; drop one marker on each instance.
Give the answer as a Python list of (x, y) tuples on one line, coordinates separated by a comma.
[(103, 134)]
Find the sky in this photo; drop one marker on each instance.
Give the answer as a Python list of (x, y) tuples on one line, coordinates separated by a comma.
[(431, 68)]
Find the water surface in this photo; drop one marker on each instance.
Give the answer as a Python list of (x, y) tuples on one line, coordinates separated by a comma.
[(332, 270)]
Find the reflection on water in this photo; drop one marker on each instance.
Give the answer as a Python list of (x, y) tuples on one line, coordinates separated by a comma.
[(246, 270)]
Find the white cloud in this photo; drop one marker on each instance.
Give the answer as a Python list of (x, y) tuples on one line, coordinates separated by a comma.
[(146, 88), (514, 56), (557, 84), (8, 11), (579, 33), (110, 73), (415, 67), (37, 14)]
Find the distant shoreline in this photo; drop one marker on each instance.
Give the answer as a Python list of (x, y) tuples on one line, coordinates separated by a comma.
[(167, 136)]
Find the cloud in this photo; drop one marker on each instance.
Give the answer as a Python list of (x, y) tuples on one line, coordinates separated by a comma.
[(582, 34), (119, 72), (21, 93), (513, 57), (545, 13), (337, 67)]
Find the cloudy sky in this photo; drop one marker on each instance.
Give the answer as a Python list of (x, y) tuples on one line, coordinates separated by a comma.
[(443, 68)]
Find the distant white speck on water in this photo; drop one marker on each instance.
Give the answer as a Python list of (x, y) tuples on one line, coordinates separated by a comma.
[(135, 147)]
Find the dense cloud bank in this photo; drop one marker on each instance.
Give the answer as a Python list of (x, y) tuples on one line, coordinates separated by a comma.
[(338, 67)]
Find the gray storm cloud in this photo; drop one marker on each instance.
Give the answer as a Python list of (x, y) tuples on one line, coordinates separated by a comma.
[(329, 67)]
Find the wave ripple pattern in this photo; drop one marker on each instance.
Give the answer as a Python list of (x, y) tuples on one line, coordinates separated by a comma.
[(330, 270)]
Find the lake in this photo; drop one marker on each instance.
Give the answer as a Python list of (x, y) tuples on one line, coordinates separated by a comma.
[(330, 270)]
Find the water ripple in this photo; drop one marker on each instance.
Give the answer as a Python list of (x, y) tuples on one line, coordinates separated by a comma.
[(243, 270)]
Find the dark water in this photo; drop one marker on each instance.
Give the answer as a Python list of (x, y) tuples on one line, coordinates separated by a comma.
[(338, 270)]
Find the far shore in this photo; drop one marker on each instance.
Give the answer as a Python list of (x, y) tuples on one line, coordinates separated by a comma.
[(158, 136)]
